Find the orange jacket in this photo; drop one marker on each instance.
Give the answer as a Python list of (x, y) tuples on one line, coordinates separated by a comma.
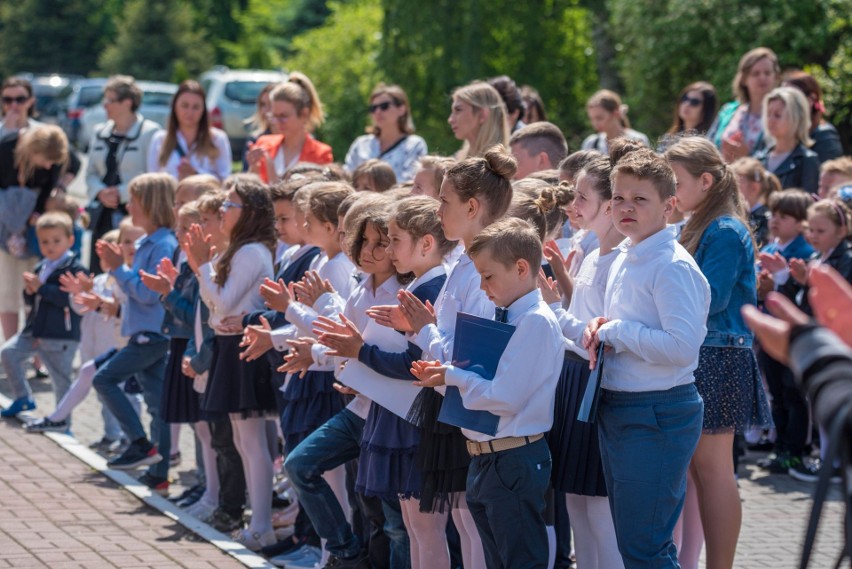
[(313, 151)]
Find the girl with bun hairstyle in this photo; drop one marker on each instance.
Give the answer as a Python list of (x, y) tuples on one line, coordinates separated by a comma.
[(475, 193), (296, 112), (478, 118)]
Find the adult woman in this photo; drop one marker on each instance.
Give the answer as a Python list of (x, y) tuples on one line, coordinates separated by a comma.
[(826, 138), (118, 153), (511, 95), (190, 145), (18, 105), (787, 121), (391, 137), (695, 109), (533, 105), (296, 112), (31, 165), (259, 121), (738, 130), (609, 119), (478, 118), (727, 378)]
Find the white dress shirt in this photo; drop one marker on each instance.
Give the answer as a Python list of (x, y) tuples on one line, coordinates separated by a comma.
[(461, 293), (587, 300), (241, 292), (524, 386), (219, 166), (657, 301)]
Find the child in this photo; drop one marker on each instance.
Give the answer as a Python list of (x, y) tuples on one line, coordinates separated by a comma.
[(756, 185), (475, 193), (536, 147), (655, 314), (787, 122), (430, 175), (99, 302), (507, 256), (828, 232), (373, 175), (727, 377), (150, 207), (52, 330), (241, 389), (577, 469), (834, 174)]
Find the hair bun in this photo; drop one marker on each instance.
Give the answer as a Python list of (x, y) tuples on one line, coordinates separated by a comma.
[(621, 147), (499, 161), (547, 200)]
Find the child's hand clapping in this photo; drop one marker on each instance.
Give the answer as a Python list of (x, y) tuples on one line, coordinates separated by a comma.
[(197, 246), (298, 358), (168, 270), (429, 374), (344, 339), (390, 315), (75, 284), (156, 283), (415, 312), (799, 271), (109, 254), (772, 262), (276, 295), (31, 282), (311, 287), (549, 288), (257, 340), (560, 265)]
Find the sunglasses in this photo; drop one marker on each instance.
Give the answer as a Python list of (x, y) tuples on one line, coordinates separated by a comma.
[(228, 205), (693, 102), (20, 100), (381, 106)]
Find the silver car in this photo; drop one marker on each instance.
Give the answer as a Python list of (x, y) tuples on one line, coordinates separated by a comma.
[(156, 106), (232, 99)]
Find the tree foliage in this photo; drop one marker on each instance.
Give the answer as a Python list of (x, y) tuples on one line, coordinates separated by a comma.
[(48, 36), (157, 40), (431, 48), (666, 44)]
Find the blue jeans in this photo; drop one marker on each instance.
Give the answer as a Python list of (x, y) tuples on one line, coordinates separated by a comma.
[(505, 494), (394, 528), (145, 357), (56, 355), (647, 440), (336, 442)]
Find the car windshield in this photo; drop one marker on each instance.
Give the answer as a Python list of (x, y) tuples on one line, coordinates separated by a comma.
[(90, 96), (244, 92)]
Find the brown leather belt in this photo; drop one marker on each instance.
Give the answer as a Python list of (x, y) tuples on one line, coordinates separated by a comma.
[(475, 448)]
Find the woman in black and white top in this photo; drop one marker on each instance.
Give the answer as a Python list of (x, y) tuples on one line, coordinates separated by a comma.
[(391, 137), (118, 153)]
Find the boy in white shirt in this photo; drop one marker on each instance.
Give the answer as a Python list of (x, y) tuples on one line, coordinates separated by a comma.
[(509, 472), (650, 414)]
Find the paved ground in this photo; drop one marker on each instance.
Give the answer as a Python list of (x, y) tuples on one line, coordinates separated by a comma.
[(775, 508)]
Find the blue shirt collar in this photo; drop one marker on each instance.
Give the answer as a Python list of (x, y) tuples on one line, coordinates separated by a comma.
[(523, 305)]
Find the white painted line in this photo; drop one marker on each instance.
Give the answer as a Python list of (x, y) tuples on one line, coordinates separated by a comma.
[(97, 462)]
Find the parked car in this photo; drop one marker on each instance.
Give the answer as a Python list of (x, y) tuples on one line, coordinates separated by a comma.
[(156, 106), (232, 99), (50, 92), (85, 93)]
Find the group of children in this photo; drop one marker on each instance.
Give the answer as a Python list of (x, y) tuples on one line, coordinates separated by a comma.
[(247, 311)]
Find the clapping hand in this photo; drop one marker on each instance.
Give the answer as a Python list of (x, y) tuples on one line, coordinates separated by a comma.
[(257, 340), (343, 337), (109, 254), (416, 313), (298, 358), (75, 284), (429, 374), (311, 287), (276, 295)]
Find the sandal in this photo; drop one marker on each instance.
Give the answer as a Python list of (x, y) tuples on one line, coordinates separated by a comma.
[(253, 540)]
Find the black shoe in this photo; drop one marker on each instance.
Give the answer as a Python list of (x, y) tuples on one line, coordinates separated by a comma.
[(192, 496), (155, 483), (810, 471), (763, 445), (358, 562), (224, 522), (183, 495), (781, 463), (45, 425), (282, 547), (140, 453)]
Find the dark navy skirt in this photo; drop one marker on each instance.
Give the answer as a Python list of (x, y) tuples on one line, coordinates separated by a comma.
[(387, 467), (309, 402), (236, 386), (180, 401), (574, 444)]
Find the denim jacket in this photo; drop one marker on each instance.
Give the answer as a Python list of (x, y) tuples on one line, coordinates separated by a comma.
[(725, 255), (180, 316)]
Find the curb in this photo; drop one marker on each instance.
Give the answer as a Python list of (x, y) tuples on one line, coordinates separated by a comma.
[(95, 461)]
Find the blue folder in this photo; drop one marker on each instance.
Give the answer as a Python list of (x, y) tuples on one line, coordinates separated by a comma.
[(478, 345), (588, 411)]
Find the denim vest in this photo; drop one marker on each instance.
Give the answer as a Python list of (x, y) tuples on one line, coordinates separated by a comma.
[(725, 255)]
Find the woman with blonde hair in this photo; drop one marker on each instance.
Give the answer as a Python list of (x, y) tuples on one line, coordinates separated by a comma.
[(787, 122), (478, 118), (608, 116), (32, 163), (390, 137), (296, 113), (190, 145), (738, 130)]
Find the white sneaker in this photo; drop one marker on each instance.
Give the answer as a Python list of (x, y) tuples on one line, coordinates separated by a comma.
[(201, 510), (306, 557)]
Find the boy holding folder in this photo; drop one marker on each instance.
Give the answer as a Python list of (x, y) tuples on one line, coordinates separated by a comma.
[(509, 472)]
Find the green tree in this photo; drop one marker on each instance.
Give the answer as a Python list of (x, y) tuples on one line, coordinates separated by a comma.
[(666, 44), (49, 36), (340, 58), (157, 40), (431, 48)]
